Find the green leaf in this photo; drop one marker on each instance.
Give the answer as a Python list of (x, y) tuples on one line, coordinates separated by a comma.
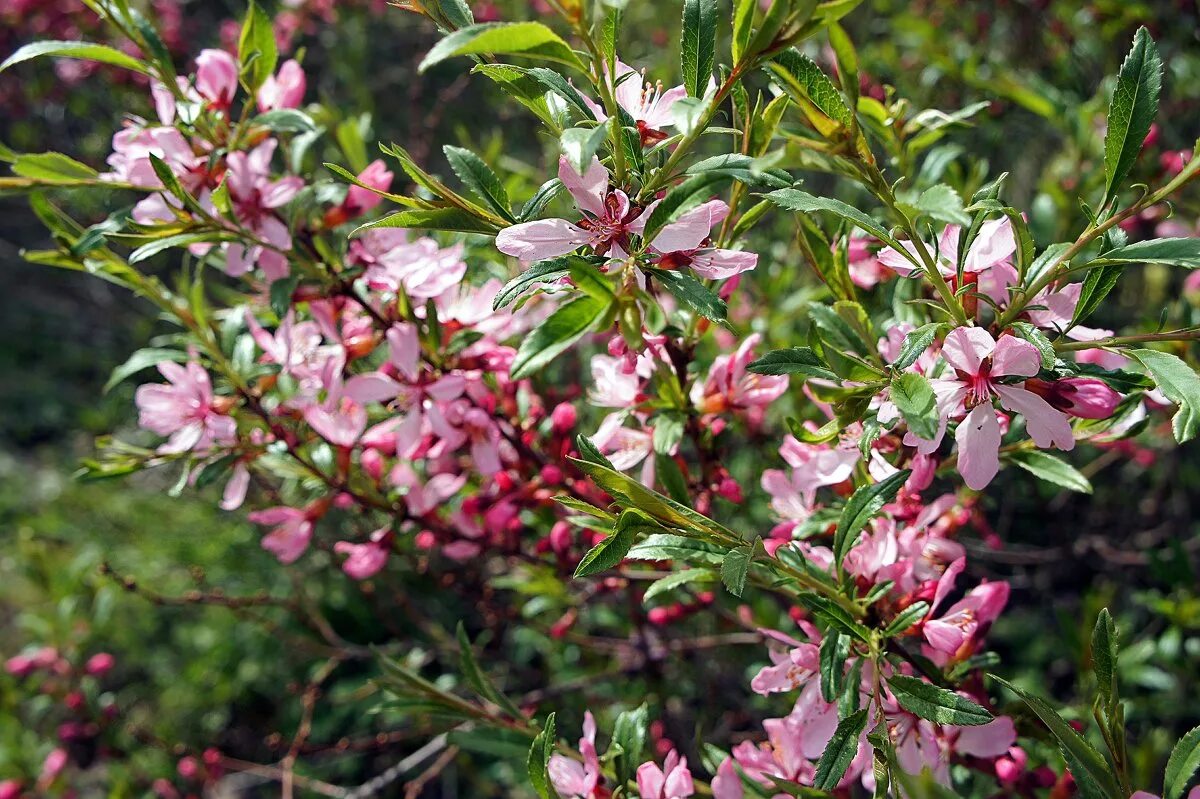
[(480, 179), (547, 271), (1104, 657), (743, 169), (691, 292), (1088, 766), (942, 203), (796, 200), (1045, 466), (1038, 339), (743, 26), (795, 360), (539, 760), (1171, 252), (915, 344), (257, 51), (457, 12), (589, 452), (1184, 760), (85, 51), (147, 251), (52, 167), (285, 120), (842, 748), (478, 680), (1132, 110), (1096, 286), (735, 567), (449, 219), (835, 649), (1180, 384), (612, 550), (913, 395), (835, 616), (936, 704), (676, 580), (667, 546), (532, 39), (143, 359), (579, 145), (629, 737), (699, 46), (863, 505), (811, 88), (906, 618), (559, 331)]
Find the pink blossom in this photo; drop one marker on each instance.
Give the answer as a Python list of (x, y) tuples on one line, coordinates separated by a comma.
[(217, 78), (726, 784), (185, 409), (729, 386), (572, 779), (284, 89), (421, 498), (605, 226), (10, 789), (360, 200), (365, 560), (980, 362), (53, 766), (421, 268), (292, 531), (866, 270), (672, 781), (99, 664), (1083, 397), (685, 242), (966, 620), (255, 197), (338, 418), (626, 447), (992, 249), (650, 107)]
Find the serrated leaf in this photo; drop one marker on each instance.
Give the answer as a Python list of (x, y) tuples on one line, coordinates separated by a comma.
[(915, 344), (480, 179), (792, 361), (1170, 252), (1088, 766), (692, 293), (863, 505), (735, 567), (85, 51), (808, 85), (906, 618), (612, 550), (796, 200), (840, 751), (1180, 384), (834, 616), (682, 198), (1104, 657), (1184, 760), (1050, 468), (835, 648), (913, 395), (1132, 110), (531, 39), (698, 49), (1096, 286), (667, 546), (548, 271), (676, 580), (1038, 339), (539, 760), (936, 704), (448, 219), (558, 332)]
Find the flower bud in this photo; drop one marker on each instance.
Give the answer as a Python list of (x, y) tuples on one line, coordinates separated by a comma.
[(99, 664), (563, 418), (1085, 397)]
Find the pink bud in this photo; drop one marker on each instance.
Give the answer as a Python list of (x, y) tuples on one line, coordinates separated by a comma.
[(53, 765), (658, 616), (19, 666), (216, 77), (284, 90), (164, 789), (99, 664), (563, 418), (360, 200), (730, 490), (188, 768), (551, 475), (1086, 397), (74, 701), (1007, 771), (560, 537), (372, 464), (10, 789)]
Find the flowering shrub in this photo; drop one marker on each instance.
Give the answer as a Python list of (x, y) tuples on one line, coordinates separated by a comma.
[(392, 377)]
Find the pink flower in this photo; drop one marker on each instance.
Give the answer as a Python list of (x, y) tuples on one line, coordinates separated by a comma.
[(572, 779), (726, 784), (607, 216), (866, 270), (650, 107), (10, 789), (217, 77), (338, 418), (730, 387), (424, 498), (365, 560), (980, 362), (672, 781), (1083, 397), (285, 89), (52, 766), (685, 243), (967, 620), (422, 268), (359, 200), (185, 409), (99, 664), (255, 197), (292, 531), (991, 249)]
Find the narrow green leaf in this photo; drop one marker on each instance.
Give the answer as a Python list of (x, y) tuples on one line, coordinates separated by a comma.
[(915, 344), (449, 219), (842, 748), (834, 616), (477, 176), (1171, 252), (796, 200), (863, 505), (548, 271), (1132, 110), (52, 167), (906, 618), (682, 198), (835, 649), (589, 452), (676, 580), (699, 45), (559, 331), (1184, 760), (1050, 468), (936, 704), (691, 292), (792, 361), (1180, 384), (285, 120), (143, 359), (85, 51), (1104, 657), (532, 39), (258, 52), (612, 550)]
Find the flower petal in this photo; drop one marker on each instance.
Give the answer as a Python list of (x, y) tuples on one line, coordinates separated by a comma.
[(1047, 426), (978, 438), (542, 238)]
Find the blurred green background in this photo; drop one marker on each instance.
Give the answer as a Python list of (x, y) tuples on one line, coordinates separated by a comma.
[(202, 675)]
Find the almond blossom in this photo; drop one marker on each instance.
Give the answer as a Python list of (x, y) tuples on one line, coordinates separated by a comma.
[(572, 779), (255, 198), (651, 108), (672, 781), (186, 410)]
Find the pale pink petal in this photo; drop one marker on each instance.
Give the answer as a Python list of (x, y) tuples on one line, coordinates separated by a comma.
[(897, 261), (966, 347), (722, 264), (995, 243), (405, 349), (235, 489), (371, 387), (1015, 356), (978, 438), (1047, 426), (588, 189), (542, 238), (987, 740), (690, 230)]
